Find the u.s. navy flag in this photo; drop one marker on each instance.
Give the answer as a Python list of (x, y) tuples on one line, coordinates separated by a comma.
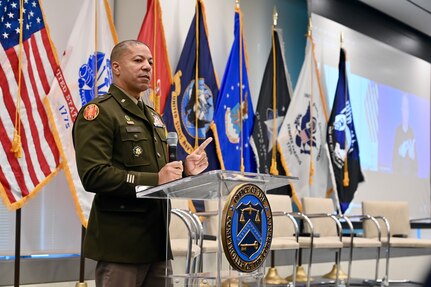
[(234, 115), (189, 109), (302, 138), (343, 142), (29, 156), (274, 99), (152, 33), (86, 73)]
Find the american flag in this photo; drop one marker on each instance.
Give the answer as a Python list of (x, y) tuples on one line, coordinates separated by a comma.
[(27, 69)]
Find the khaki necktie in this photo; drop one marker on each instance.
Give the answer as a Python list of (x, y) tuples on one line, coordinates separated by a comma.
[(141, 105)]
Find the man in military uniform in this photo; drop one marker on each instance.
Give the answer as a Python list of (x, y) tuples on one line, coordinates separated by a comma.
[(121, 143)]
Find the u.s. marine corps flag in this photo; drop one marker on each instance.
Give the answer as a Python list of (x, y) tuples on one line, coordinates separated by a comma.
[(152, 33), (190, 105), (86, 74), (302, 138), (234, 115), (343, 141)]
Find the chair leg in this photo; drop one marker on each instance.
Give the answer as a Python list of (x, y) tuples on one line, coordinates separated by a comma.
[(337, 280), (295, 267), (385, 280), (309, 266), (349, 269)]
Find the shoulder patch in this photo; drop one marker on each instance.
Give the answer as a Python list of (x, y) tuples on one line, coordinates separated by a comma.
[(91, 112)]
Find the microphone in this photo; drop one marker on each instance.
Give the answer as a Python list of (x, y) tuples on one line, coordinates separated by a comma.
[(172, 146)]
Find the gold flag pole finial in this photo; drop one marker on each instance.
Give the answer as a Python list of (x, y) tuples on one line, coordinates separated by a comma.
[(275, 16), (237, 3), (341, 39)]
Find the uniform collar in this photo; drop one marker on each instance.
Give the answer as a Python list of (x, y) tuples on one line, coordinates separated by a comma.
[(129, 103)]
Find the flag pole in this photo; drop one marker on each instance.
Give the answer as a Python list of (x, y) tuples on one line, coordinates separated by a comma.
[(156, 98), (346, 163), (273, 168), (17, 246), (197, 77), (272, 276), (240, 89), (82, 282)]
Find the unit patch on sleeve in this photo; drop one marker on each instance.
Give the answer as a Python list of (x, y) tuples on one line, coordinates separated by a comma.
[(91, 112)]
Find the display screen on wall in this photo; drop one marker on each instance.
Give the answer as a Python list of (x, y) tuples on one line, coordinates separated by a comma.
[(390, 97)]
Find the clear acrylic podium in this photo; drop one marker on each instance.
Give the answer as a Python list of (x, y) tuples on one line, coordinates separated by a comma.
[(216, 186)]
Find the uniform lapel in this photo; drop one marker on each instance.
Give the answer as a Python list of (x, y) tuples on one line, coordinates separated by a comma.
[(128, 104)]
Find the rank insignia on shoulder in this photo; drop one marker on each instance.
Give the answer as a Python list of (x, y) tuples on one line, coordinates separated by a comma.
[(158, 123), (91, 112), (129, 120)]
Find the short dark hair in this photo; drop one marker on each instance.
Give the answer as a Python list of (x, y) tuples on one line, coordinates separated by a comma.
[(121, 47)]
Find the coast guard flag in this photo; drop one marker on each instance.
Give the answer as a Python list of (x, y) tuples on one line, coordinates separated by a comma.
[(274, 99), (28, 65), (233, 118), (343, 142), (302, 138), (185, 113), (152, 33), (86, 74)]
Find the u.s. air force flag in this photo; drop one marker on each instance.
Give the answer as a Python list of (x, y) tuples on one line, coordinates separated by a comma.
[(233, 118), (86, 73), (190, 105), (343, 142), (302, 137)]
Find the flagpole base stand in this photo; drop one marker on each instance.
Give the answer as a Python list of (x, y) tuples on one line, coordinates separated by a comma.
[(301, 275), (272, 277), (333, 274), (81, 284)]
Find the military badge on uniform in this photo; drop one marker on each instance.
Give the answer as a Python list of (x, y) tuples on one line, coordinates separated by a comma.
[(158, 123), (246, 228), (137, 151), (129, 120), (91, 112)]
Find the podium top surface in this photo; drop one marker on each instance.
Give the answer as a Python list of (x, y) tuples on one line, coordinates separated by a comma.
[(211, 185)]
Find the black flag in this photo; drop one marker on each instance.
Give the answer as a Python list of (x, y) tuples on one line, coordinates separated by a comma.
[(274, 99)]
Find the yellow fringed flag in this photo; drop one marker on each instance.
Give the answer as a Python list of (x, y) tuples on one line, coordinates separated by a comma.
[(302, 138), (152, 33), (86, 74), (28, 66), (273, 103), (343, 141)]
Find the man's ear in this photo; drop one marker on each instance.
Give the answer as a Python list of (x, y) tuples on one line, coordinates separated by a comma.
[(115, 68)]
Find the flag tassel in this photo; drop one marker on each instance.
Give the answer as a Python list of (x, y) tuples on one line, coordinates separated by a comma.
[(346, 176), (16, 145), (273, 169), (311, 172)]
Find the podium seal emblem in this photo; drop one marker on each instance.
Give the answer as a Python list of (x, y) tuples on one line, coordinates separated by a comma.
[(246, 227)]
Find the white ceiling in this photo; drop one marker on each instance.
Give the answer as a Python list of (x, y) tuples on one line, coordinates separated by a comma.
[(415, 13)]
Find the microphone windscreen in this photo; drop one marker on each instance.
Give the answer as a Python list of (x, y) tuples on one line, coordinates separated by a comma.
[(172, 139)]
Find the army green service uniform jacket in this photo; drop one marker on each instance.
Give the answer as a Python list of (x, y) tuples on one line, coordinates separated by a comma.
[(118, 146)]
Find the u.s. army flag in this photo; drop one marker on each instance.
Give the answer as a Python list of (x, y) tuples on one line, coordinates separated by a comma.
[(86, 73)]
